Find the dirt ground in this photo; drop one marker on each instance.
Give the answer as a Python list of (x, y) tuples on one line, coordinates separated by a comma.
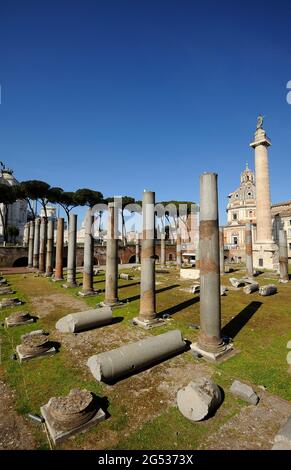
[(15, 432)]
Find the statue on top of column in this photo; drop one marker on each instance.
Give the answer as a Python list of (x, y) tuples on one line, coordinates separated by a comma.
[(260, 121)]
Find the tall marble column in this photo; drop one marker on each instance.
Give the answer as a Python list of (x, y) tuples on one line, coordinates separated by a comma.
[(59, 276), (87, 288), (72, 247), (111, 278), (210, 344), (264, 249), (50, 248), (42, 244), (30, 244), (36, 243)]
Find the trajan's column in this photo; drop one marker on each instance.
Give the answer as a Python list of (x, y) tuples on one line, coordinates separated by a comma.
[(265, 251)]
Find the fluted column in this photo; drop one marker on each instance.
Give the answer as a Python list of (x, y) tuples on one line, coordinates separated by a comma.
[(178, 249), (137, 249), (249, 250), (283, 256), (163, 249)]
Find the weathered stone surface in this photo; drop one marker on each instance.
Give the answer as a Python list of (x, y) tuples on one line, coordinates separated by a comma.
[(10, 302), (236, 282), (251, 288), (81, 321), (223, 290), (125, 276), (6, 290), (289, 345), (65, 416), (18, 318), (34, 344), (269, 289), (284, 435), (281, 445), (199, 399), (244, 391)]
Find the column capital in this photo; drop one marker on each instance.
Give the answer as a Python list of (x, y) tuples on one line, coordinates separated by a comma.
[(261, 139)]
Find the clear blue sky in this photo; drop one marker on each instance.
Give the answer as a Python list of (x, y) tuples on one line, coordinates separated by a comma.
[(122, 96)]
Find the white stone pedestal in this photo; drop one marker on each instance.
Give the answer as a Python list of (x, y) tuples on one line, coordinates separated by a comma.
[(265, 255)]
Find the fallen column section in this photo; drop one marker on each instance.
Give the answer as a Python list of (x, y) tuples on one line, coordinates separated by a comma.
[(251, 288), (269, 289), (199, 399), (81, 321), (127, 359)]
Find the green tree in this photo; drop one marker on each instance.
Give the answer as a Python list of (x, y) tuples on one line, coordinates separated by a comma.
[(35, 190), (12, 233)]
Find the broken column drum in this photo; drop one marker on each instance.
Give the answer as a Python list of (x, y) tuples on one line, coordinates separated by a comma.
[(111, 279), (72, 246), (88, 254), (50, 248), (59, 250), (34, 344), (210, 307), (42, 244), (199, 399), (36, 243), (30, 244), (178, 249), (127, 359), (147, 310), (73, 410), (81, 321), (249, 250), (283, 256)]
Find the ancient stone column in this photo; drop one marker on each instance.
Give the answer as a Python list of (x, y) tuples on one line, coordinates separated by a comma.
[(36, 243), (72, 247), (30, 244), (249, 251), (178, 249), (59, 250), (42, 244), (221, 250), (197, 258), (50, 248), (147, 314), (163, 249), (87, 287), (26, 234), (210, 341), (264, 249), (264, 219), (283, 256), (137, 249), (111, 279)]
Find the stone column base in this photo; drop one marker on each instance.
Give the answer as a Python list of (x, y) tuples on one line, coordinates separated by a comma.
[(266, 256), (69, 285), (117, 304), (88, 293), (148, 324), (211, 356)]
